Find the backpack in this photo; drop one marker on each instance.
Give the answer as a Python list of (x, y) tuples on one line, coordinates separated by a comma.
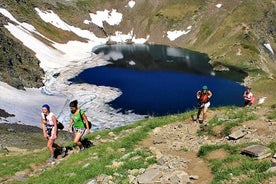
[(59, 124), (89, 123), (204, 97)]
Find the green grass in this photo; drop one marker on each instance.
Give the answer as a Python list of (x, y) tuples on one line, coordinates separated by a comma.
[(118, 158), (272, 114), (100, 157), (13, 164), (234, 164), (232, 117)]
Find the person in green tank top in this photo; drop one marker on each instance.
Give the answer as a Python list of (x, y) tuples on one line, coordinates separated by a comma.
[(77, 120)]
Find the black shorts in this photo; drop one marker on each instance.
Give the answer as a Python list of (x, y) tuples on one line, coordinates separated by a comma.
[(49, 130), (247, 102)]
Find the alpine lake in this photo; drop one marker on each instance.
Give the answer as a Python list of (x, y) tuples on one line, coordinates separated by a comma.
[(159, 80)]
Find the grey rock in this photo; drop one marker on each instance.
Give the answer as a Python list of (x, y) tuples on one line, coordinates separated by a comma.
[(194, 177), (158, 141), (258, 151), (20, 176), (272, 169), (149, 176), (177, 177), (11, 130), (238, 134)]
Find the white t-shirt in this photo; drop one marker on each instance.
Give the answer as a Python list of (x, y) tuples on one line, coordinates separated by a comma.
[(248, 95), (49, 118)]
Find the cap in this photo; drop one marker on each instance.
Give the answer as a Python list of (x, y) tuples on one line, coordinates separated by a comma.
[(204, 87), (46, 106)]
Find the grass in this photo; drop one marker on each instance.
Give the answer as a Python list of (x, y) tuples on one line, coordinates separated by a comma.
[(121, 157), (228, 118), (13, 164), (235, 165), (272, 115), (101, 157)]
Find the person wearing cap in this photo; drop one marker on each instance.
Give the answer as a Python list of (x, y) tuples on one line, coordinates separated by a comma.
[(49, 128), (203, 97)]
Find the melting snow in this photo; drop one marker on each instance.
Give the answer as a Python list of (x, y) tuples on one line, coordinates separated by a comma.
[(172, 35), (112, 18), (68, 60), (219, 5), (131, 4), (268, 46)]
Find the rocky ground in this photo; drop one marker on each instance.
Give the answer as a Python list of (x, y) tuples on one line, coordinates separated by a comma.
[(175, 147)]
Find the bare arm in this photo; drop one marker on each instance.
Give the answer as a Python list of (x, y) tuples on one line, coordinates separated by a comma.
[(210, 94), (43, 122), (70, 124), (54, 119), (198, 94), (84, 117)]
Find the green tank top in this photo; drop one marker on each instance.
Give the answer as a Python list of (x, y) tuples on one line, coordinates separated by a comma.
[(77, 120)]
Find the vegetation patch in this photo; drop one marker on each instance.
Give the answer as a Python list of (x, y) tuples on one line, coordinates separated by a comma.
[(113, 158), (15, 163), (217, 154), (233, 166), (222, 124)]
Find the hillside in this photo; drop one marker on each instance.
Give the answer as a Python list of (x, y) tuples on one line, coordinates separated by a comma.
[(232, 35), (171, 149)]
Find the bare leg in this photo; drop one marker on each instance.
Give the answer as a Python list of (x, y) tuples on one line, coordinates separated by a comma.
[(50, 147), (77, 140), (198, 114), (205, 113)]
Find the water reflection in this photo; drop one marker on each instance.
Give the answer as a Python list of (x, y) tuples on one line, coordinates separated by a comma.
[(155, 57), (159, 80)]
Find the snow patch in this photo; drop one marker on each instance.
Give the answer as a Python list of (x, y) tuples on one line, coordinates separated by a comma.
[(131, 4), (132, 63), (112, 18), (218, 5), (268, 46), (261, 100), (67, 60), (172, 35)]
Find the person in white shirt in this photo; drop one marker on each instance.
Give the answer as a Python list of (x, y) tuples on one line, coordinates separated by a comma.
[(248, 97), (49, 128)]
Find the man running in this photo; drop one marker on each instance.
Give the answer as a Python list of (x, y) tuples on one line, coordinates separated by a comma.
[(203, 97)]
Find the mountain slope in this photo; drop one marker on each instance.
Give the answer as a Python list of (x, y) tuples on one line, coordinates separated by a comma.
[(232, 35)]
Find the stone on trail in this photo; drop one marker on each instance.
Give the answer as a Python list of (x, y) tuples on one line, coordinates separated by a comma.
[(271, 169), (257, 151), (178, 177), (238, 134), (150, 176)]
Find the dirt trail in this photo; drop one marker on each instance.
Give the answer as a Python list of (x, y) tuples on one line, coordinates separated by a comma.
[(180, 140)]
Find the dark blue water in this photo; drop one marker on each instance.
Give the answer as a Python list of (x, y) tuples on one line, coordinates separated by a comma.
[(162, 87)]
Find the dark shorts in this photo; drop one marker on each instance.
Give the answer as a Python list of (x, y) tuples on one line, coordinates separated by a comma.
[(49, 131), (247, 102)]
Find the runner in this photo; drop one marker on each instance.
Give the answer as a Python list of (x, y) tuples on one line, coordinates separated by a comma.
[(77, 123), (49, 128), (203, 97)]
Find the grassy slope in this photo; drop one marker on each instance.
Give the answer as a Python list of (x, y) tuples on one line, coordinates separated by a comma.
[(97, 160), (220, 33)]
